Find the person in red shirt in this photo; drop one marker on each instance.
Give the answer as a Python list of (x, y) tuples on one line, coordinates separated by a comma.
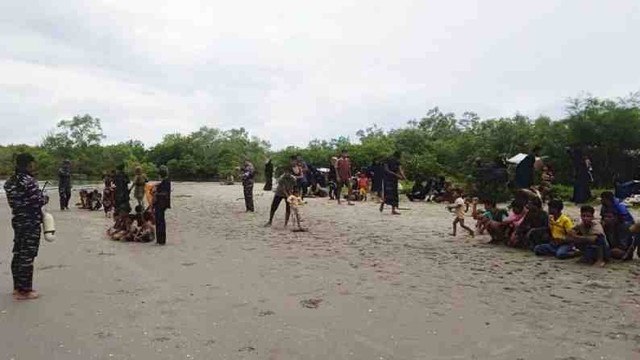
[(343, 170)]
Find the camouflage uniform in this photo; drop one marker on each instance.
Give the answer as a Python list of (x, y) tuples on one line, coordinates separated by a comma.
[(248, 172), (64, 186), (26, 201)]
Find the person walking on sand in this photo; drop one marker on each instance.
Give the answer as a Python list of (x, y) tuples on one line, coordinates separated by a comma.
[(26, 201), (162, 202), (248, 173), (392, 173), (64, 184), (343, 171)]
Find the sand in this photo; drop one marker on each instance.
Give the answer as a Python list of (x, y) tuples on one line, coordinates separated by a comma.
[(357, 285)]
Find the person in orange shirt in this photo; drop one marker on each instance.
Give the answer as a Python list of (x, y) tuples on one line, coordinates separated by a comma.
[(363, 186)]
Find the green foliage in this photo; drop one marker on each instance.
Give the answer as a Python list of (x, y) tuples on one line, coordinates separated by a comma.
[(437, 144)]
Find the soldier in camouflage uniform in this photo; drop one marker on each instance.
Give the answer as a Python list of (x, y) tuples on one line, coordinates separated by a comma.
[(26, 201), (248, 172), (64, 184)]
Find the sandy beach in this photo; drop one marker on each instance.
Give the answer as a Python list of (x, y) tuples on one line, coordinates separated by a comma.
[(358, 285)]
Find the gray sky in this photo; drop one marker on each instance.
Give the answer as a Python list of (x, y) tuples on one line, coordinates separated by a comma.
[(291, 71)]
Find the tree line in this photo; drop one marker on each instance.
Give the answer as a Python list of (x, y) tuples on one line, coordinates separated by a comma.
[(438, 144)]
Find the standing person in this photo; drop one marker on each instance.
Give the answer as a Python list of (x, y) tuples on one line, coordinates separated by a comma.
[(392, 173), (162, 202), (26, 201), (581, 177), (248, 173), (121, 182), (377, 168), (460, 205), (108, 197), (343, 171), (284, 189), (524, 169), (303, 180), (139, 181), (64, 184), (268, 175), (332, 178)]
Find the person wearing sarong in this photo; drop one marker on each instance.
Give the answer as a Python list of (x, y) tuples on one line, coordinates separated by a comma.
[(268, 175), (392, 173)]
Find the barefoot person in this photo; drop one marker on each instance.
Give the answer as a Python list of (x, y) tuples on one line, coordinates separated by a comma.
[(121, 182), (284, 189), (343, 170), (460, 206), (295, 202), (64, 184), (162, 202), (26, 201), (247, 174), (139, 182), (268, 175), (392, 173)]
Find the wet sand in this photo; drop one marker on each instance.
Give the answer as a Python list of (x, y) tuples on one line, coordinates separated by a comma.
[(357, 285)]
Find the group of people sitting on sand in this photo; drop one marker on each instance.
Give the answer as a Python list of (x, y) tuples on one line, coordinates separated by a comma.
[(147, 223), (527, 225), (90, 199), (138, 227)]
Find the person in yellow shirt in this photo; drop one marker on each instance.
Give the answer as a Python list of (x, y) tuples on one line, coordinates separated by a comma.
[(560, 225)]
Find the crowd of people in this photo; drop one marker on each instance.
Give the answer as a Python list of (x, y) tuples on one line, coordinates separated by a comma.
[(527, 225), (524, 224), (147, 223)]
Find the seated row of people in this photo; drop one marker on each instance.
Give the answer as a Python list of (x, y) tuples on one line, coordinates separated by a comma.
[(138, 227), (90, 199), (432, 189), (528, 226)]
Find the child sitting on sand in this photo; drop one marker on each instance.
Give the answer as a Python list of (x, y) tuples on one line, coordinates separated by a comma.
[(589, 237), (515, 218), (122, 226), (560, 225), (534, 228), (146, 232), (460, 205), (295, 202)]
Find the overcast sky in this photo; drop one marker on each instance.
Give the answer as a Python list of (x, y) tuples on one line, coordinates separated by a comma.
[(292, 71)]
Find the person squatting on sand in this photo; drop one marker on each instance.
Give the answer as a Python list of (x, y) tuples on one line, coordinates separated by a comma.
[(26, 201)]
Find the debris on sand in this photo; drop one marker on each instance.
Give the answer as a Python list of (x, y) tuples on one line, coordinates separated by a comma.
[(311, 303)]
